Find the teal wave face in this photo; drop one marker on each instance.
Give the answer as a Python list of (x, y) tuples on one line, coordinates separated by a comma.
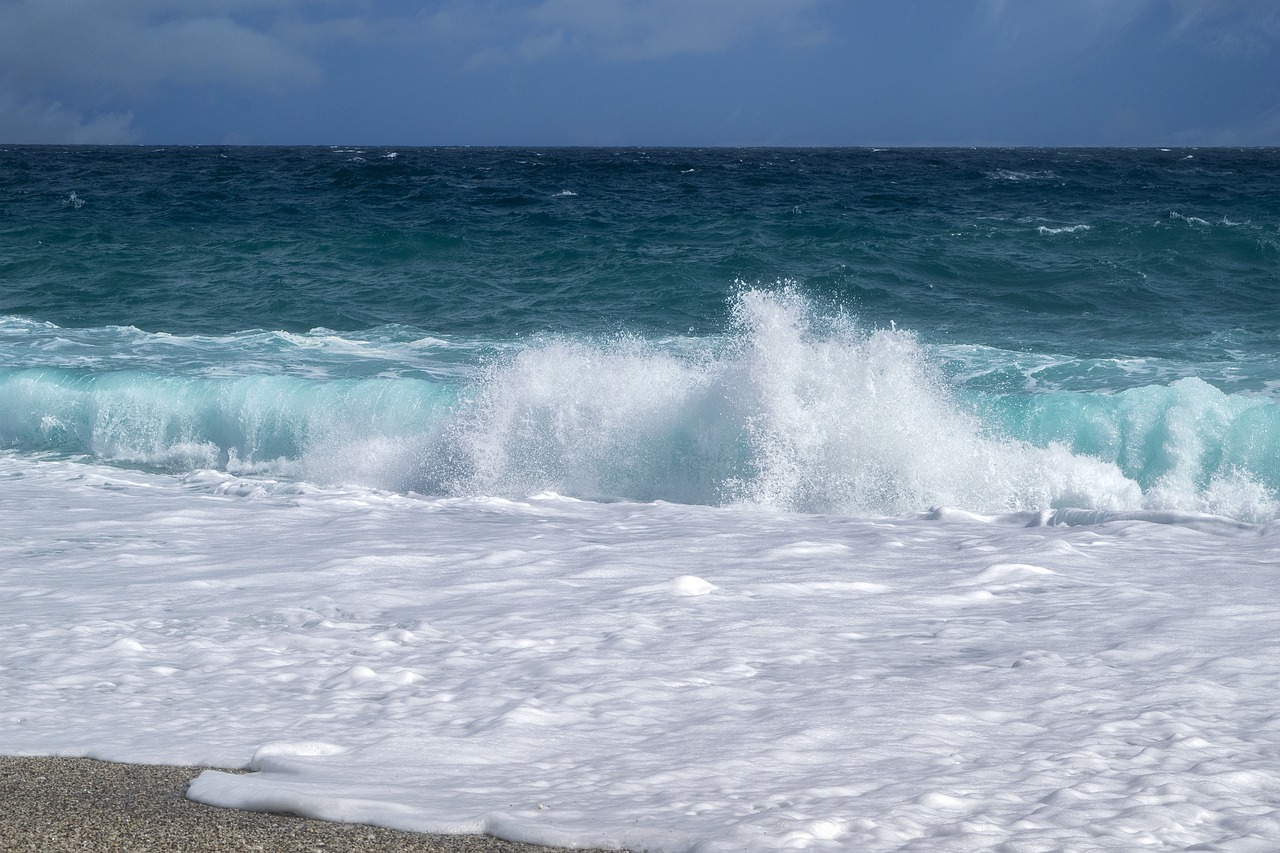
[(259, 424), (1185, 436)]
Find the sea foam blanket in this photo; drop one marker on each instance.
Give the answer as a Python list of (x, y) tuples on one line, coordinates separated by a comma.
[(655, 676)]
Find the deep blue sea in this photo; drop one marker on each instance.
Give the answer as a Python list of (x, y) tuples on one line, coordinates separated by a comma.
[(817, 330)]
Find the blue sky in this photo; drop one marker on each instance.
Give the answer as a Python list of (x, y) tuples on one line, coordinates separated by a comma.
[(641, 72)]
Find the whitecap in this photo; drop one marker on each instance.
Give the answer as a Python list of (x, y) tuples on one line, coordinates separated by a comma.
[(1064, 229)]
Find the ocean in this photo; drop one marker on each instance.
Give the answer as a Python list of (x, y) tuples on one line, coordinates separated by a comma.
[(674, 499)]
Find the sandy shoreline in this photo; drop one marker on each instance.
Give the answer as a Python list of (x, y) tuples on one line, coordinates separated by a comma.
[(52, 805)]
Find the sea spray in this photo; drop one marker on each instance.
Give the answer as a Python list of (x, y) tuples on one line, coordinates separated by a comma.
[(803, 409), (849, 420), (795, 410), (620, 418)]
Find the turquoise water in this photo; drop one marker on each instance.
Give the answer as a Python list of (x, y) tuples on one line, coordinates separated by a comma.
[(816, 330)]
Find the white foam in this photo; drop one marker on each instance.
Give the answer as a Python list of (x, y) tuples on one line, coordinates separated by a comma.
[(655, 676), (1064, 229)]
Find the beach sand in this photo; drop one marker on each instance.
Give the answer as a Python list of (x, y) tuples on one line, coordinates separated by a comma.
[(52, 805)]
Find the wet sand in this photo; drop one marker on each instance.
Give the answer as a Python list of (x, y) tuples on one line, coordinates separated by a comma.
[(57, 805)]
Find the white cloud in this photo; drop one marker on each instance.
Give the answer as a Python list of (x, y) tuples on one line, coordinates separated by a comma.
[(90, 52), (123, 48), (33, 123)]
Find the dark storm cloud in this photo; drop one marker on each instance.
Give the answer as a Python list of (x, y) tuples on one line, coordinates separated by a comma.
[(1002, 72)]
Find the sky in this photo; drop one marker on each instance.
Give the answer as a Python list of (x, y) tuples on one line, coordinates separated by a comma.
[(641, 72)]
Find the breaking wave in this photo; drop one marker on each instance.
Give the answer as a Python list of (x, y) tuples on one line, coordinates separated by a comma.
[(795, 408)]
